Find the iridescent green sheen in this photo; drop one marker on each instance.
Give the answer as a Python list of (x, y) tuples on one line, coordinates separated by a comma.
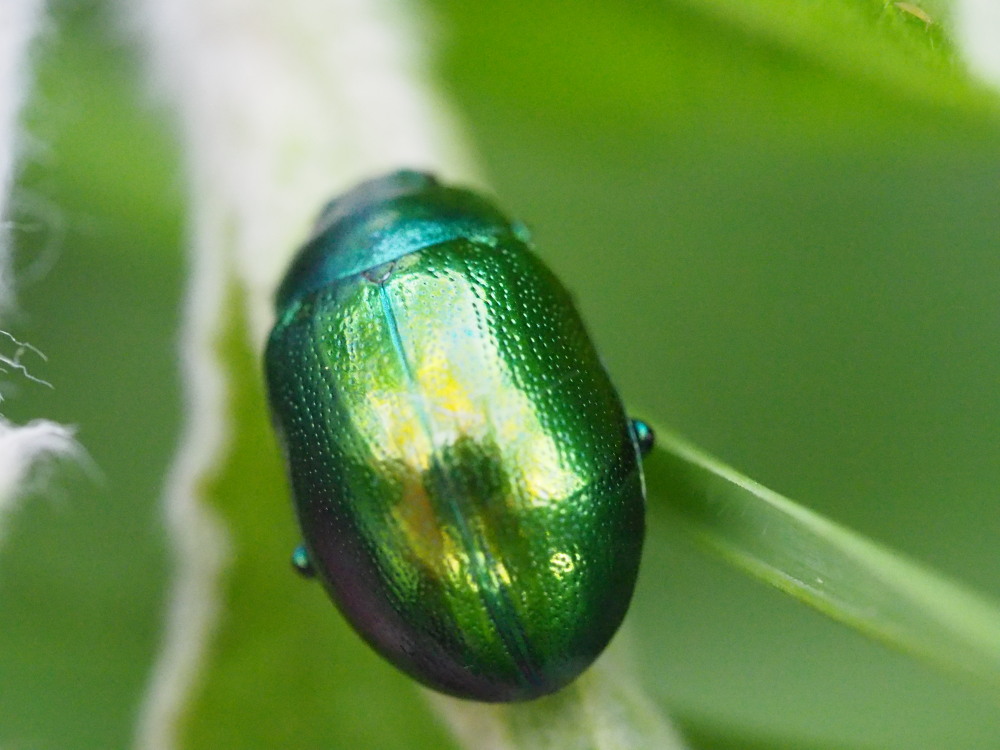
[(467, 482)]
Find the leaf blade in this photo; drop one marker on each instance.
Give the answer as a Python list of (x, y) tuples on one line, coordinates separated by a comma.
[(841, 573)]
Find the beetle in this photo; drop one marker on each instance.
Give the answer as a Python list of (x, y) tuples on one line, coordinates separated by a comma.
[(468, 485)]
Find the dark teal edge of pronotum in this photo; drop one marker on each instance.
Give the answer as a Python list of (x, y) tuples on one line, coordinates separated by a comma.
[(383, 220)]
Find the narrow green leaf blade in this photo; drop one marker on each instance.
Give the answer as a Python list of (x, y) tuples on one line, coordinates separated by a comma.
[(839, 572)]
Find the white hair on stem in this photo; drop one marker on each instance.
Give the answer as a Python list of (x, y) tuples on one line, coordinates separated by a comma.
[(977, 32), (19, 22), (284, 105), (20, 446)]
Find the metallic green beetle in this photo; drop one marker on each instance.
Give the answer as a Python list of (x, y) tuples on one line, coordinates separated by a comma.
[(468, 485)]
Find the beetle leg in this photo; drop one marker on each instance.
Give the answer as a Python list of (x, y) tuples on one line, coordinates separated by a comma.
[(301, 563), (644, 436)]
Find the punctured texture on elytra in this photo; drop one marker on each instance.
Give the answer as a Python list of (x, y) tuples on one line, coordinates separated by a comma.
[(467, 482)]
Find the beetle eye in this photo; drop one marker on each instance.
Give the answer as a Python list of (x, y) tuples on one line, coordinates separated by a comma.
[(301, 563), (644, 436)]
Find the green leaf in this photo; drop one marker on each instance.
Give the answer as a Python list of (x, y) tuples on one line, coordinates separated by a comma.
[(805, 189), (783, 66), (839, 572)]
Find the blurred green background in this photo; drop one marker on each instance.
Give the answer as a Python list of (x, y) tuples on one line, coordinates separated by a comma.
[(784, 241)]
